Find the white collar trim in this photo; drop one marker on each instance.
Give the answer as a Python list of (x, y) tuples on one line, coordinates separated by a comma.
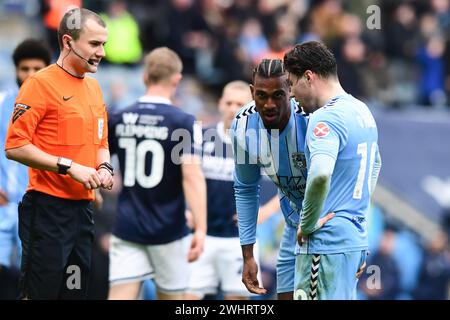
[(154, 99)]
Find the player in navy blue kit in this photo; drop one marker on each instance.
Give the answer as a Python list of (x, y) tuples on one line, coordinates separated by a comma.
[(156, 145), (343, 166), (221, 262)]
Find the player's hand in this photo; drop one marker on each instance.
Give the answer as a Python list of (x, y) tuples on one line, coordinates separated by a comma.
[(104, 242), (106, 178), (363, 267), (235, 219), (197, 243), (87, 176), (3, 198), (98, 200), (249, 277), (361, 270), (301, 238)]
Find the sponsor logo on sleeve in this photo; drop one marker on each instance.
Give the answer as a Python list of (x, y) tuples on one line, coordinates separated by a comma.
[(321, 130)]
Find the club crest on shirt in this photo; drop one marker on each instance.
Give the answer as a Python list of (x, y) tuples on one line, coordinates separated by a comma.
[(321, 130), (299, 160), (101, 123)]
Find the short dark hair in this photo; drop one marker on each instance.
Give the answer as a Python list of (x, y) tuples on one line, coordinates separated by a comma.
[(268, 68), (31, 49), (67, 24), (312, 55)]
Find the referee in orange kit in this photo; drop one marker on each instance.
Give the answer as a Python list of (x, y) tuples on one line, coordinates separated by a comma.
[(59, 129)]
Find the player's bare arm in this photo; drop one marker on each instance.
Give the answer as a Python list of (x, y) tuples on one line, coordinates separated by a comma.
[(194, 187)]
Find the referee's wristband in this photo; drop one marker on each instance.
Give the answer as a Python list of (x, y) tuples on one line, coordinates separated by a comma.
[(107, 166)]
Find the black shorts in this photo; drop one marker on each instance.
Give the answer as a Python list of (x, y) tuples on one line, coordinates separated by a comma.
[(9, 279), (57, 236)]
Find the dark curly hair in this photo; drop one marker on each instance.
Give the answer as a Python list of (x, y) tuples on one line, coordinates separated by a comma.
[(312, 55), (31, 49)]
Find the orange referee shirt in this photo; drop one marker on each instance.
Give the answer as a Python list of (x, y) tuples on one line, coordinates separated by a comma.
[(64, 116)]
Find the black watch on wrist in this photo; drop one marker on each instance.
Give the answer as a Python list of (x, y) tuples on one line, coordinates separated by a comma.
[(64, 164), (107, 166)]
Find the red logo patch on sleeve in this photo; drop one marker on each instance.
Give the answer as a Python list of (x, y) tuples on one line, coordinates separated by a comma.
[(321, 130)]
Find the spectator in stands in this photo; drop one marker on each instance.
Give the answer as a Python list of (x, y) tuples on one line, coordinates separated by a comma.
[(434, 276), (401, 32), (351, 63), (431, 62), (188, 32), (123, 46), (389, 287), (52, 12)]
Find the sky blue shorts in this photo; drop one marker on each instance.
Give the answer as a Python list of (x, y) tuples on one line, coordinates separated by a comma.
[(327, 276), (286, 260)]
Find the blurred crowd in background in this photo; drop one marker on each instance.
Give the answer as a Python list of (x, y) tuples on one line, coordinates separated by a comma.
[(404, 64)]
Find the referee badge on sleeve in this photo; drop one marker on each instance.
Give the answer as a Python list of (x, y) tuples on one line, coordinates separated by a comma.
[(19, 109), (101, 123)]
